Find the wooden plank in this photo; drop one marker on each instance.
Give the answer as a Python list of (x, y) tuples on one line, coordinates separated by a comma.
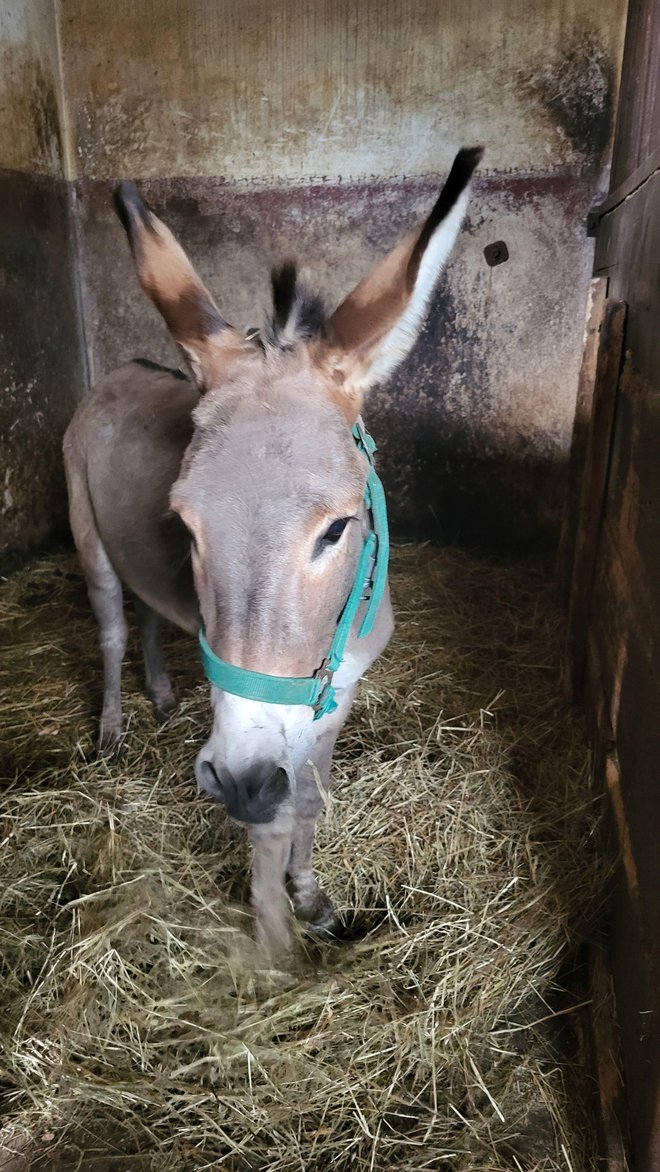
[(641, 175), (627, 249), (606, 1062), (637, 132), (581, 425), (592, 496), (624, 608), (634, 946)]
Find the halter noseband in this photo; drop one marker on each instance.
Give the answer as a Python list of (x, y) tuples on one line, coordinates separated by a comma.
[(317, 690)]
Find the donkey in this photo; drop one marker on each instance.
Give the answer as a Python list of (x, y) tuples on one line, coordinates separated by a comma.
[(242, 505)]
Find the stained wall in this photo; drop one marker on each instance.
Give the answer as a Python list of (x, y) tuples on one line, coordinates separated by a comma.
[(40, 349), (324, 131)]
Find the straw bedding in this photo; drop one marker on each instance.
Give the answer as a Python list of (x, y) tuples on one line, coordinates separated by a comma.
[(460, 844)]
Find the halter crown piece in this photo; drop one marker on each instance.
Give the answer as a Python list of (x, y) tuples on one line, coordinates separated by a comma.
[(317, 690)]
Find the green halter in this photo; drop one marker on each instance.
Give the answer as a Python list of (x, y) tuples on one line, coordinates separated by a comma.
[(317, 691)]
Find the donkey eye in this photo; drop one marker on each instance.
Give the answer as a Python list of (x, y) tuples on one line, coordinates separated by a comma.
[(334, 532)]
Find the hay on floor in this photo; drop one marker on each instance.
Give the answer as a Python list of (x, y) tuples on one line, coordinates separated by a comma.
[(460, 844)]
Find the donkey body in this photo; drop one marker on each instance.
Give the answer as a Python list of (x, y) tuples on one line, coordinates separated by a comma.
[(235, 500)]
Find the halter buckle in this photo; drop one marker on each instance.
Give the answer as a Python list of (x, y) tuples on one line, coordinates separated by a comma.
[(325, 701)]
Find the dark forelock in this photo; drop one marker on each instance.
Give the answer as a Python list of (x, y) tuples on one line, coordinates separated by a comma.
[(298, 315)]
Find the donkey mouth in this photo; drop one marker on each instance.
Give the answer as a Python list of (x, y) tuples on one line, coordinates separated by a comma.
[(253, 798)]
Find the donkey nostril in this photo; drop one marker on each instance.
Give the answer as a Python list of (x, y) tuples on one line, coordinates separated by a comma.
[(207, 778), (279, 785), (253, 798), (261, 806), (253, 784), (265, 783)]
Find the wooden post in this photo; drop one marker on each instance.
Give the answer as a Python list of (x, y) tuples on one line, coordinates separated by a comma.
[(594, 483)]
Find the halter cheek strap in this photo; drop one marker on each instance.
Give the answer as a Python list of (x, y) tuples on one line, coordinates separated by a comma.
[(317, 691)]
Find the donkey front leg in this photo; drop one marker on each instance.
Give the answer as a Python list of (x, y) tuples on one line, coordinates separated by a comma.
[(271, 843), (310, 903), (157, 681)]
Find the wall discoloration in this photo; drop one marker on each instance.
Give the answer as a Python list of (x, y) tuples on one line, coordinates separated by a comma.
[(40, 373), (575, 89), (29, 117), (228, 111), (259, 132), (40, 356)]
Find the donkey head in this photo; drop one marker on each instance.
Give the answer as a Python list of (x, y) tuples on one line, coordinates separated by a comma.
[(271, 486)]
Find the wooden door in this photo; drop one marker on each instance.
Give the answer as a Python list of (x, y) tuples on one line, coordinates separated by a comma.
[(611, 561)]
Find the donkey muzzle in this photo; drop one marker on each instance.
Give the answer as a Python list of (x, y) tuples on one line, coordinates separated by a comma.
[(253, 798)]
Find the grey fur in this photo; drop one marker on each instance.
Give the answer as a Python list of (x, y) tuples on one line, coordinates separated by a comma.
[(255, 472), (255, 461)]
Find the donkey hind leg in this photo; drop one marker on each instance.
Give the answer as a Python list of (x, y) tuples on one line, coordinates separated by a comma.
[(105, 596), (157, 681)]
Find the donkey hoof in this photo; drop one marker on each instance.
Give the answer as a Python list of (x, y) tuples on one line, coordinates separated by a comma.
[(109, 737), (164, 703), (318, 913), (163, 711)]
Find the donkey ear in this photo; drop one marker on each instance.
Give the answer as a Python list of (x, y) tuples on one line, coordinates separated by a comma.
[(377, 325), (208, 342)]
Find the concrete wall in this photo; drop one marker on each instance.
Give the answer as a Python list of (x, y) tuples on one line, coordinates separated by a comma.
[(40, 350), (30, 138), (324, 130), (340, 89)]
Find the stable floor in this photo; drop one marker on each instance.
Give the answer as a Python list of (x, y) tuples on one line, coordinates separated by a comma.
[(461, 845)]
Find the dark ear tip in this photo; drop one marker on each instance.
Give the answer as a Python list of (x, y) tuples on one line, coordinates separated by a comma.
[(127, 191), (470, 157), (130, 205), (124, 195)]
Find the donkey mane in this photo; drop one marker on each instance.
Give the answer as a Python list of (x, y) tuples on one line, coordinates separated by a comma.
[(298, 314)]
